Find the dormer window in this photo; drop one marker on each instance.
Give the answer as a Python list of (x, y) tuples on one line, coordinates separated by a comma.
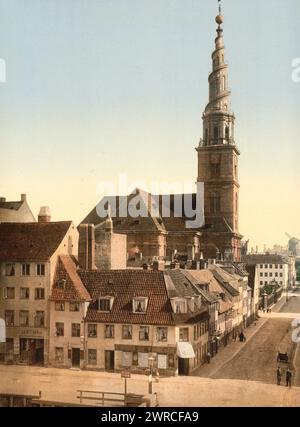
[(105, 304), (139, 305), (61, 284), (179, 305)]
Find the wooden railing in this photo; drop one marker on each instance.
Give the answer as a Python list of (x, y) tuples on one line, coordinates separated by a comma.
[(103, 398)]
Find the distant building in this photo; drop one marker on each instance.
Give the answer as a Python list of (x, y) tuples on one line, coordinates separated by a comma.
[(18, 211), (271, 269)]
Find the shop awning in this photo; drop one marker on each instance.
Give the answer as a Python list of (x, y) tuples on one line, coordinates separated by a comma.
[(185, 350)]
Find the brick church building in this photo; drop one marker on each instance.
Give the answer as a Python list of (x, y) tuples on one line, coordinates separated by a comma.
[(160, 237)]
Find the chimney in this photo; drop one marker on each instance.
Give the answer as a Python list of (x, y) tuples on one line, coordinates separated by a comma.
[(44, 214), (86, 246), (23, 197), (2, 199)]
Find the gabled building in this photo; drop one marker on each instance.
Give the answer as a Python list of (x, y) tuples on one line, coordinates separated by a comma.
[(28, 257), (15, 211)]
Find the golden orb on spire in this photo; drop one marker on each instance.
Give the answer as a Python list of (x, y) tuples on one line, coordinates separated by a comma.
[(219, 19)]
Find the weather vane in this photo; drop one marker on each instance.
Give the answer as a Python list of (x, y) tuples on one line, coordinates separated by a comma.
[(220, 8)]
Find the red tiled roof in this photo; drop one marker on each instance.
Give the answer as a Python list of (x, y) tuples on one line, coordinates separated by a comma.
[(124, 285), (74, 289), (31, 241)]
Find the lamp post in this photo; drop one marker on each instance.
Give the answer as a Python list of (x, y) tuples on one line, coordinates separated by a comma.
[(151, 359)]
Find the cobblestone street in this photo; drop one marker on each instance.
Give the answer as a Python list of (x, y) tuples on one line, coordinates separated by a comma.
[(256, 359)]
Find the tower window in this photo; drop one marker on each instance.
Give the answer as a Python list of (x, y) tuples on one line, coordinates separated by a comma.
[(227, 133), (216, 132), (215, 170), (215, 202)]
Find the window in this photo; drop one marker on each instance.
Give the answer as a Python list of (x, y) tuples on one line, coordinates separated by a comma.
[(24, 318), (25, 269), (271, 266), (266, 265), (9, 293), (10, 270), (271, 274), (127, 332), (261, 274), (215, 202), (39, 319), (266, 283), (180, 306), (76, 330), (216, 132), (276, 265), (276, 274), (9, 318), (281, 266), (215, 170), (139, 305), (39, 293), (59, 306), (183, 334), (162, 361), (105, 304), (266, 274), (162, 334), (261, 283), (61, 284), (126, 359), (92, 356), (40, 269), (74, 306), (59, 354), (143, 361), (261, 266), (92, 330), (227, 133), (24, 293), (144, 333), (281, 274), (60, 329), (109, 331)]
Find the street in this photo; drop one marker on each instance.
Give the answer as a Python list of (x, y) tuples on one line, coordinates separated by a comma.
[(257, 359)]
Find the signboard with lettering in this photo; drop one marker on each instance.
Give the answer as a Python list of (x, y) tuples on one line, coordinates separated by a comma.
[(31, 332), (125, 374)]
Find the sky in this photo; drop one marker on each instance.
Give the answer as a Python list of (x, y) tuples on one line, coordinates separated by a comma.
[(99, 88)]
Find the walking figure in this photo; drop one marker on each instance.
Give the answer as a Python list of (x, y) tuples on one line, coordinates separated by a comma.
[(208, 357), (242, 337), (279, 375), (288, 378)]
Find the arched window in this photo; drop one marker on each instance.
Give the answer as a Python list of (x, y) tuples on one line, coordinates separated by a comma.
[(227, 133), (224, 82), (215, 202)]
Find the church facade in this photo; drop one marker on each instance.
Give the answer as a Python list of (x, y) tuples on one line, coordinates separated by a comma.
[(159, 237)]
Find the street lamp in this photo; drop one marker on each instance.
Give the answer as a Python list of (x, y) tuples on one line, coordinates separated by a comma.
[(151, 359)]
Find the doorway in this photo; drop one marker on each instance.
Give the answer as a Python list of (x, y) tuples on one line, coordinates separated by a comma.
[(32, 351), (76, 357), (183, 366), (109, 360)]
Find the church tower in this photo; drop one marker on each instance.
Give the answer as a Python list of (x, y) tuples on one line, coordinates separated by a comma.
[(218, 162)]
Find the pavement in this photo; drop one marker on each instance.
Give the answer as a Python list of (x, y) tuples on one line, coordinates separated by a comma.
[(60, 385)]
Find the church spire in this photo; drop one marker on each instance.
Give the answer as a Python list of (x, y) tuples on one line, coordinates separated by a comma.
[(218, 120)]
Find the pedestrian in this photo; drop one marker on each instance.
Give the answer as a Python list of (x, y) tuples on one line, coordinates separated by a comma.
[(279, 375), (208, 357), (288, 378)]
